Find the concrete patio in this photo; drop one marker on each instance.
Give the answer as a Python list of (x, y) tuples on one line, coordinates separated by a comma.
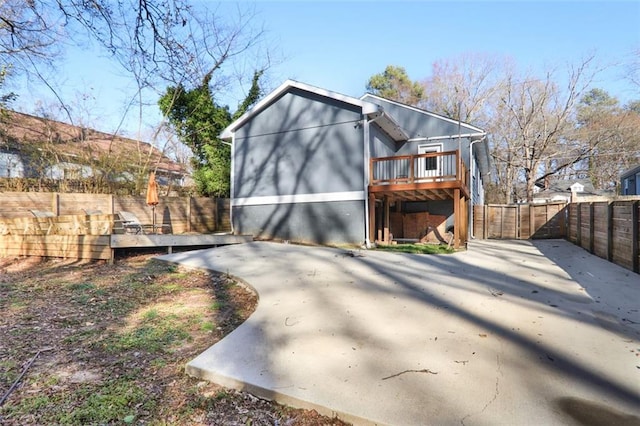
[(507, 332)]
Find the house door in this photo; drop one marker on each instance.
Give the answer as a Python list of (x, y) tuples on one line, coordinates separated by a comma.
[(430, 167)]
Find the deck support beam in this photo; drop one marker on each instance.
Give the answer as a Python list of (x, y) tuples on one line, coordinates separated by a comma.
[(372, 218), (385, 232), (456, 218)]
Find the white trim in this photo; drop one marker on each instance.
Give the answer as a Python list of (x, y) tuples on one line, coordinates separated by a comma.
[(425, 149), (422, 111), (437, 138), (321, 197), (232, 179), (367, 107)]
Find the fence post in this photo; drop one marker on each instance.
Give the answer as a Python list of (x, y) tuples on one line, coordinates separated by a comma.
[(189, 213), (579, 224), (485, 222), (591, 229), (635, 242), (532, 221), (610, 231), (55, 204)]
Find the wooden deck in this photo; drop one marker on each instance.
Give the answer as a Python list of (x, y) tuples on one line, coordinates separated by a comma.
[(92, 237), (422, 177), (432, 176), (170, 241)]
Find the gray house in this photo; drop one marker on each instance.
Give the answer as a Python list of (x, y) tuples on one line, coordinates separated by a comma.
[(311, 165), (630, 182)]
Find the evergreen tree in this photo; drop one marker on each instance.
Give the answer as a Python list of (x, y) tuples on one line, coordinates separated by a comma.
[(198, 121)]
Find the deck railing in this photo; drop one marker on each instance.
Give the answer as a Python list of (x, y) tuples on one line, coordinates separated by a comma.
[(420, 168)]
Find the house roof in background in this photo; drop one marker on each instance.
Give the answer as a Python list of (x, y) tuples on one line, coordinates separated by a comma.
[(562, 187), (74, 141), (630, 172)]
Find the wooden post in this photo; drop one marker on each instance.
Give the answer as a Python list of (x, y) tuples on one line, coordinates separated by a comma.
[(610, 231), (55, 207), (591, 229), (385, 219), (578, 224), (189, 214), (372, 218), (485, 222), (411, 170), (111, 204), (635, 238), (532, 221), (464, 209), (456, 218)]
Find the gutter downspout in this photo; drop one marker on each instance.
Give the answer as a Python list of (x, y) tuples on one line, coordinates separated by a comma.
[(367, 158), (472, 168)]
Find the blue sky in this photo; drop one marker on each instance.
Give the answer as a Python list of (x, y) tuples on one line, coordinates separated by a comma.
[(339, 45)]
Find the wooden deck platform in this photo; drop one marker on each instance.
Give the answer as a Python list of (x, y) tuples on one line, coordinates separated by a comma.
[(120, 241), (92, 237)]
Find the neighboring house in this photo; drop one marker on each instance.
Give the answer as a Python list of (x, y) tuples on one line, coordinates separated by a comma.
[(38, 147), (566, 190), (630, 182), (311, 165)]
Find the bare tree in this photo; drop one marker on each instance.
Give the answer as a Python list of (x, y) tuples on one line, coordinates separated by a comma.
[(542, 117), (464, 87)]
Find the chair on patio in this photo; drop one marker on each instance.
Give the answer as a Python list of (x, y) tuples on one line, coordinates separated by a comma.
[(133, 225)]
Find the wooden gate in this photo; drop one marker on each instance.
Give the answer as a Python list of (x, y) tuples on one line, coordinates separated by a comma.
[(520, 221)]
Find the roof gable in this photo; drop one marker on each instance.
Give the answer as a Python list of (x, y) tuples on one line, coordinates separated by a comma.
[(468, 128), (366, 107)]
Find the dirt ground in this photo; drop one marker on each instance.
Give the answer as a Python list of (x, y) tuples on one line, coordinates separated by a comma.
[(107, 344)]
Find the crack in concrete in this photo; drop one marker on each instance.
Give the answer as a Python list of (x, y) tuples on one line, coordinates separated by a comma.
[(495, 394), (425, 370)]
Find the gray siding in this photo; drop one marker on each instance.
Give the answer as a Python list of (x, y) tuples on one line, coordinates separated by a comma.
[(447, 145), (300, 144), (381, 144), (319, 223), (418, 124)]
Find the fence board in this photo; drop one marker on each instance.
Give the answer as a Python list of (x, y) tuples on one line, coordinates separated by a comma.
[(521, 221), (178, 214), (67, 246), (601, 229), (478, 222)]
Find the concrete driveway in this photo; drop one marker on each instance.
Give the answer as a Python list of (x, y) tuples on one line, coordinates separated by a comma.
[(506, 333)]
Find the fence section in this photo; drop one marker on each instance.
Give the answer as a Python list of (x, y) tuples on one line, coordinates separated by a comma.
[(520, 221), (180, 214), (609, 230), (69, 236)]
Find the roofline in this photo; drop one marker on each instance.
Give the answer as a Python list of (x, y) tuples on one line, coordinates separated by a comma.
[(422, 111), (631, 171), (367, 107)]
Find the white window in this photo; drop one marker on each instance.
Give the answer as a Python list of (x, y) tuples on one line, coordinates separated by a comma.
[(429, 167)]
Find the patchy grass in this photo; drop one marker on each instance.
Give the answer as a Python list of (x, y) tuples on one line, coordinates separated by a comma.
[(118, 337), (417, 248)]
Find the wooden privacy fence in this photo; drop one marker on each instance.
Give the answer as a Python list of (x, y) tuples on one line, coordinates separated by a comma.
[(609, 230), (180, 214), (519, 221), (69, 236)]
